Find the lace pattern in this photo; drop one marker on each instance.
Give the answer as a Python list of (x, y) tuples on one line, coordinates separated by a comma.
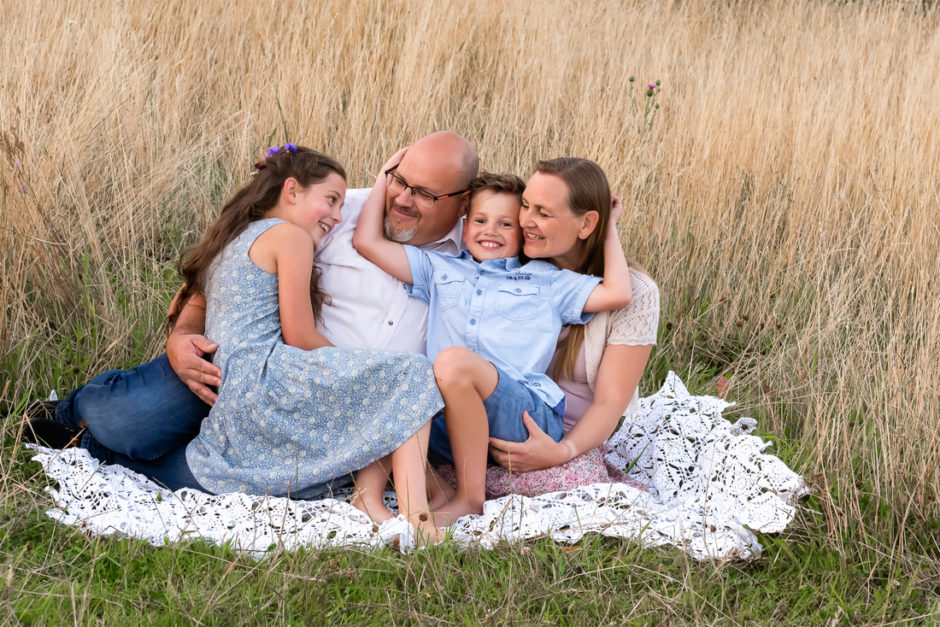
[(709, 482), (636, 324)]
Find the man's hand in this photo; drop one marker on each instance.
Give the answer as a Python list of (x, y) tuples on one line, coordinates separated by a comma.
[(186, 353), (538, 452)]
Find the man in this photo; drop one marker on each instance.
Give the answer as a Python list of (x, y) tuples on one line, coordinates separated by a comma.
[(157, 407)]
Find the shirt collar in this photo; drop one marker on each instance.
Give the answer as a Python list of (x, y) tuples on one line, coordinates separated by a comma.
[(450, 243), (503, 263)]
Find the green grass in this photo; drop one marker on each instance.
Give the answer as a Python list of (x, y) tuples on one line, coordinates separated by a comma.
[(50, 573), (820, 571)]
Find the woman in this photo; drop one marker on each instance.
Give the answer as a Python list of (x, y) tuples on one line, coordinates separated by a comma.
[(600, 364)]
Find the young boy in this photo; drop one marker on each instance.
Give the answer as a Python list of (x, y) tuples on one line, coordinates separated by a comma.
[(492, 328)]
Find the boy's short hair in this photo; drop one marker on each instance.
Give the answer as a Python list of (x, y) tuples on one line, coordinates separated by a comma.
[(498, 184)]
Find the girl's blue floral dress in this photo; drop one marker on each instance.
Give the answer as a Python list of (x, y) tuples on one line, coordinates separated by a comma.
[(287, 421)]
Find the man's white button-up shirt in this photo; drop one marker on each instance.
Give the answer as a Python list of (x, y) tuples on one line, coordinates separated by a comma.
[(366, 307)]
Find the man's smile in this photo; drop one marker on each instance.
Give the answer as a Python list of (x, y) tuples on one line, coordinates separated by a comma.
[(404, 212)]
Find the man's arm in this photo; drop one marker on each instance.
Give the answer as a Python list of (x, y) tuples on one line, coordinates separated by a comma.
[(186, 348)]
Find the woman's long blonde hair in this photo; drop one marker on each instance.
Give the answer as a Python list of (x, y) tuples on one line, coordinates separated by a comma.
[(588, 190)]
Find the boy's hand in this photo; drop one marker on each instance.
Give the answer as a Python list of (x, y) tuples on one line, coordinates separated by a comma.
[(394, 160)]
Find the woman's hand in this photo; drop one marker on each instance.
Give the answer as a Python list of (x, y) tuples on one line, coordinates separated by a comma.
[(616, 210), (538, 452)]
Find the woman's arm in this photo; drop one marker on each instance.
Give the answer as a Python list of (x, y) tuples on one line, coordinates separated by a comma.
[(186, 348), (617, 377), (615, 291), (369, 238)]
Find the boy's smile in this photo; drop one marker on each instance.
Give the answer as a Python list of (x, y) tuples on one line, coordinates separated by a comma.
[(491, 230)]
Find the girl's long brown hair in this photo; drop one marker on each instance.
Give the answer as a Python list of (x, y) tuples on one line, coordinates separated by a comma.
[(248, 205), (588, 190)]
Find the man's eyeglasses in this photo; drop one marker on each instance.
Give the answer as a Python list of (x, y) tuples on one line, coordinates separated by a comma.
[(422, 197)]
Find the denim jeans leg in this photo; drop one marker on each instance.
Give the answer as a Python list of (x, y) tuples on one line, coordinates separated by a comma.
[(170, 470), (504, 407), (142, 413)]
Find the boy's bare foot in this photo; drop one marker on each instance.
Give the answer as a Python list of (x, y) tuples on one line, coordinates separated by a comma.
[(456, 508), (372, 504), (439, 491)]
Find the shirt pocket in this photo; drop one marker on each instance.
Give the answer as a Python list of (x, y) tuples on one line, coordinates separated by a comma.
[(449, 287), (518, 303)]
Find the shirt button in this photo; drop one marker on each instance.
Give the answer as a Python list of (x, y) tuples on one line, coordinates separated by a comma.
[(390, 323), (479, 292), (473, 320), (518, 290)]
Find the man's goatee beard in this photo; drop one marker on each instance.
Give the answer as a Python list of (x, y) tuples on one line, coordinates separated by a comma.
[(402, 237)]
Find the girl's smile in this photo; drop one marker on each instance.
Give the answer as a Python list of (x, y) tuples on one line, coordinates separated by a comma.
[(316, 209)]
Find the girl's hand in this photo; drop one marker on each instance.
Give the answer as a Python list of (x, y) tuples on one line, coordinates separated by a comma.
[(538, 452), (616, 210)]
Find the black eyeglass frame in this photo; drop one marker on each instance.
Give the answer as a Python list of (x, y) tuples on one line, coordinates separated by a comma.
[(434, 198)]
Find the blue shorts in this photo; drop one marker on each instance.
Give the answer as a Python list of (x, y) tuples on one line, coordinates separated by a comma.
[(504, 413)]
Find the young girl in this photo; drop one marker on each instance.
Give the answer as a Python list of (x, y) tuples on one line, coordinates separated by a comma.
[(492, 326), (293, 412)]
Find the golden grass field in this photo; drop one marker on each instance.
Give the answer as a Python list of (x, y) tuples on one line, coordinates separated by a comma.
[(785, 196)]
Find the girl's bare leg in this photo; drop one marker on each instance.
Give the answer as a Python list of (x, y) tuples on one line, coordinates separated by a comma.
[(408, 470), (439, 491), (370, 488), (465, 379)]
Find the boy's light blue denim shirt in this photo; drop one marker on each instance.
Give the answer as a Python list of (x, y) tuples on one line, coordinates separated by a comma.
[(505, 312)]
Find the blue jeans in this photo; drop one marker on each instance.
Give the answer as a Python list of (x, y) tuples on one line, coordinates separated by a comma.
[(142, 419), (170, 470), (142, 414), (504, 414)]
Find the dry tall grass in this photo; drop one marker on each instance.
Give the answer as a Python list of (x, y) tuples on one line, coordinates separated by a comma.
[(785, 198)]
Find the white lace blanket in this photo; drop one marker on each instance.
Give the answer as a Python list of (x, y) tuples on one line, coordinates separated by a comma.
[(709, 482)]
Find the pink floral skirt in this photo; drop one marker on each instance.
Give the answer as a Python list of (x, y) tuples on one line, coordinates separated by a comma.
[(582, 470)]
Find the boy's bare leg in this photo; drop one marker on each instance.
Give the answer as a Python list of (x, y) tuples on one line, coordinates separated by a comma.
[(370, 489), (409, 462), (465, 379), (439, 491)]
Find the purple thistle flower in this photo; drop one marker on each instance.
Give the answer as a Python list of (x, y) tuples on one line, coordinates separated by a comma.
[(652, 85), (273, 150), (22, 189), (289, 147), (19, 165)]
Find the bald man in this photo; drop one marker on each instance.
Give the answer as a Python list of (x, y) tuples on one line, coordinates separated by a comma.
[(155, 408)]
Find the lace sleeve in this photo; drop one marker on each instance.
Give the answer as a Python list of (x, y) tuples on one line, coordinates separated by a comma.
[(636, 324)]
